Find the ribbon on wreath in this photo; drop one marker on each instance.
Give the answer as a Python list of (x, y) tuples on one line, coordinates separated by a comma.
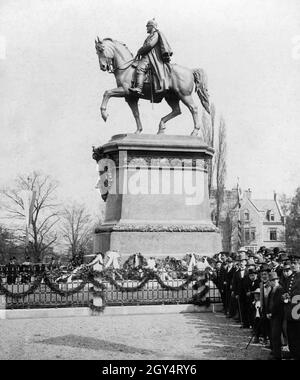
[(113, 257), (192, 263)]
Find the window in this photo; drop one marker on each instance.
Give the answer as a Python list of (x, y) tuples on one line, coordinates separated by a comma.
[(270, 216), (247, 234), (273, 234), (253, 233), (246, 215), (253, 248)]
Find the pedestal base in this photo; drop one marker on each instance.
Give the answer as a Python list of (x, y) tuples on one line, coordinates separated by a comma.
[(156, 195), (175, 244)]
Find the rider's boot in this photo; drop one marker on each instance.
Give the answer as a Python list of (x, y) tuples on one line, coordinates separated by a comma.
[(139, 84)]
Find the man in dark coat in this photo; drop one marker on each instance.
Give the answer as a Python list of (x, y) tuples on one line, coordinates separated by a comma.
[(275, 312), (265, 289), (252, 284), (228, 276), (239, 282), (155, 54), (292, 310), (12, 271)]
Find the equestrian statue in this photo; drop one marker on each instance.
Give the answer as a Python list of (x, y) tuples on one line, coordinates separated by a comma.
[(150, 75)]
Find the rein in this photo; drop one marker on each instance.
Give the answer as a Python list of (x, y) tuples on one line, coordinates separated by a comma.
[(113, 70), (110, 62)]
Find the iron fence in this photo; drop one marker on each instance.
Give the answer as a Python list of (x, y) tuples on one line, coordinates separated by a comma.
[(44, 297), (150, 294)]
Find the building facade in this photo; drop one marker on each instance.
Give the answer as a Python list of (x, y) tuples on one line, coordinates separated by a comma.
[(262, 222), (249, 222)]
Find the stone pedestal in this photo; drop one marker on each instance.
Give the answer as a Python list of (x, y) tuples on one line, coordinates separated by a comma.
[(156, 193)]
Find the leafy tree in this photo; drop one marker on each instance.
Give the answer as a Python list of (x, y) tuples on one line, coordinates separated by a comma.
[(293, 224)]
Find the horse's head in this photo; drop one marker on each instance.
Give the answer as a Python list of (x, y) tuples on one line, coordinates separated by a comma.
[(105, 54)]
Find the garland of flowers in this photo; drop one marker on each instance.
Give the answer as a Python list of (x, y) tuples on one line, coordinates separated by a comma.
[(196, 299), (99, 293), (89, 276), (30, 290), (64, 293), (150, 275), (37, 282), (175, 288), (55, 288)]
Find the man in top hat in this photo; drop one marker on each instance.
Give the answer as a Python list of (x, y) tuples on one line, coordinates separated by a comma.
[(155, 54), (253, 282), (256, 315), (261, 250), (265, 289), (218, 278), (228, 276), (239, 286), (275, 313), (268, 255), (251, 285), (276, 251), (276, 267), (250, 264), (250, 253)]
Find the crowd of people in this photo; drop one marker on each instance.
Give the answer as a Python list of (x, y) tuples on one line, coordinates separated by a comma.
[(257, 290)]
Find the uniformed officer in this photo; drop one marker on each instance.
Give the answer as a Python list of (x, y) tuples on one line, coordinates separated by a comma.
[(292, 309)]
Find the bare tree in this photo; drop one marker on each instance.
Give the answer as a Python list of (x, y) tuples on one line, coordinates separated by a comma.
[(211, 164), (6, 244), (220, 168), (208, 133), (77, 228), (206, 129), (229, 225), (44, 213), (212, 119)]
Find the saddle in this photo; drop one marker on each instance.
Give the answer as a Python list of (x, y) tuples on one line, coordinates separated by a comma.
[(151, 86)]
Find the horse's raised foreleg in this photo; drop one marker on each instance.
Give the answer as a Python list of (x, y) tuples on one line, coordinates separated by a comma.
[(133, 104), (118, 92), (174, 104), (189, 102)]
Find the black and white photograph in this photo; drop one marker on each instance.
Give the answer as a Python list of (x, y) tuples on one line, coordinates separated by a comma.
[(149, 183)]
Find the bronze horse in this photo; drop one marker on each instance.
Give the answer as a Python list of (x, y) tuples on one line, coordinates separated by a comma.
[(115, 57)]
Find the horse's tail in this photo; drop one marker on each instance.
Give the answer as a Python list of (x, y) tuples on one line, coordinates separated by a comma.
[(200, 80)]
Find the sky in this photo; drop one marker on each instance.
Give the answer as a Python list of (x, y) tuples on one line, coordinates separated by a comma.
[(51, 85)]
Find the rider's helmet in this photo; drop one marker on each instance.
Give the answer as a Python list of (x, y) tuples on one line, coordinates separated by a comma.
[(152, 23)]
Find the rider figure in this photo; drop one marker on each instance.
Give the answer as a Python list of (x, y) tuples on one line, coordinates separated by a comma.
[(155, 54)]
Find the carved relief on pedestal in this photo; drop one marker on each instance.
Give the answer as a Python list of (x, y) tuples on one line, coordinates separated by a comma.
[(156, 227)]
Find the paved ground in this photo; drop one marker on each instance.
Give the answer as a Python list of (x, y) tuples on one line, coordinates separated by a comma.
[(161, 336)]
